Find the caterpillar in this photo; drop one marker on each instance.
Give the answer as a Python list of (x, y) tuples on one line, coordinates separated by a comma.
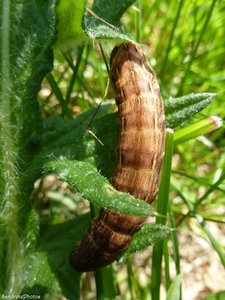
[(140, 151)]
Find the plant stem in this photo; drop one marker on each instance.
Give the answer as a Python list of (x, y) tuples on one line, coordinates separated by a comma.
[(129, 279), (167, 263), (104, 283), (175, 242), (162, 204), (133, 284), (8, 160)]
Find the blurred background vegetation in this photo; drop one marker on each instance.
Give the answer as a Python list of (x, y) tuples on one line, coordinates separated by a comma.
[(184, 43)]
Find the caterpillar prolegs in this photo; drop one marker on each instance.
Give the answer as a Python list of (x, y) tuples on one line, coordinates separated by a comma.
[(140, 152)]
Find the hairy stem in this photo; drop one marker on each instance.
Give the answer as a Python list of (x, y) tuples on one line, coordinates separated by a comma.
[(8, 160)]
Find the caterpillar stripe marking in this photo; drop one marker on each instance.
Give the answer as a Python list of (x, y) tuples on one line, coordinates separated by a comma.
[(140, 151)]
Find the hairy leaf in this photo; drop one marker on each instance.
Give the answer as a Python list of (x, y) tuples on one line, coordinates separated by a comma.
[(101, 22), (48, 270), (180, 109), (111, 11), (75, 140), (85, 178), (150, 234), (27, 31)]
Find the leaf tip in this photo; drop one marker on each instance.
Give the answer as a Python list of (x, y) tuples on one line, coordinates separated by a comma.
[(217, 121)]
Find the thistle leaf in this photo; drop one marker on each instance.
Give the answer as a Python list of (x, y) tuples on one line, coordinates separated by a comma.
[(48, 271), (102, 21), (85, 178), (150, 234), (180, 109)]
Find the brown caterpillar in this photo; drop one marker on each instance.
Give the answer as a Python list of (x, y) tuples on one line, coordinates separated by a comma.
[(140, 152)]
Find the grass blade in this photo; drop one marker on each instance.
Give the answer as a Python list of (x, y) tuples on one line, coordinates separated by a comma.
[(202, 223), (59, 96), (174, 290), (177, 17), (75, 73), (162, 204), (194, 52), (167, 263), (206, 194), (197, 129), (104, 283), (175, 242)]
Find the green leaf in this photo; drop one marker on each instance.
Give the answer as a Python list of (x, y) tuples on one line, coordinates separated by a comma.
[(40, 279), (104, 32), (111, 11), (180, 109), (3, 253), (101, 22), (75, 140), (174, 291), (70, 15), (48, 270), (216, 296), (27, 31), (31, 58), (149, 234), (85, 178)]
